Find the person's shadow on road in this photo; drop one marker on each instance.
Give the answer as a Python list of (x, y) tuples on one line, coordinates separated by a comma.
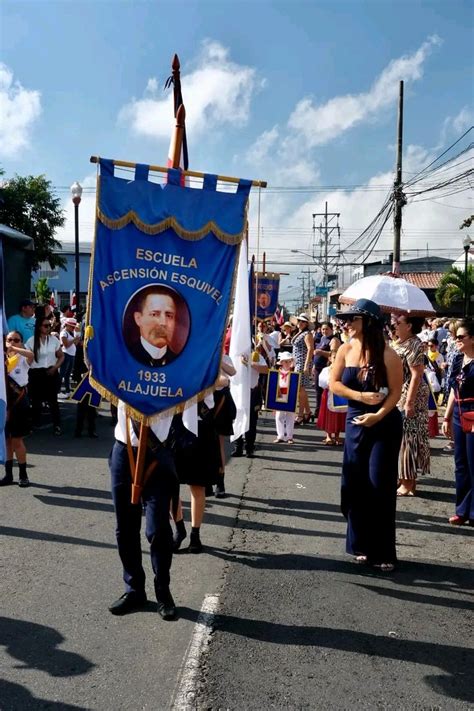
[(36, 647)]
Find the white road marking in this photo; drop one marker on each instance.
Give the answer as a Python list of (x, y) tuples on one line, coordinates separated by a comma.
[(185, 693)]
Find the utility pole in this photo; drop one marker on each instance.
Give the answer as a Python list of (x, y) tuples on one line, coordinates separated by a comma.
[(326, 229), (398, 195)]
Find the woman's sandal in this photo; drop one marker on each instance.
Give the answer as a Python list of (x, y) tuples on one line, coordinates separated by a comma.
[(277, 440), (406, 492), (290, 441), (328, 441), (360, 559)]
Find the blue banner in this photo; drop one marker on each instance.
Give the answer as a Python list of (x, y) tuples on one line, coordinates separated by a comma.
[(266, 287), (275, 399), (85, 391), (162, 274)]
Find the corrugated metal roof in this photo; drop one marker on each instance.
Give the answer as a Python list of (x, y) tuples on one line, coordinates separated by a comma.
[(424, 280)]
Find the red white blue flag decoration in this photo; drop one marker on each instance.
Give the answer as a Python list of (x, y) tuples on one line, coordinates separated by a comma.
[(161, 284)]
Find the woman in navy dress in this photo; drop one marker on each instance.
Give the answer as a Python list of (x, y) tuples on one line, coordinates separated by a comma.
[(461, 402), (369, 374)]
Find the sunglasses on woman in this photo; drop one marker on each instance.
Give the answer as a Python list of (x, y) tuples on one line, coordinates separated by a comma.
[(460, 337), (13, 340), (350, 319), (46, 324)]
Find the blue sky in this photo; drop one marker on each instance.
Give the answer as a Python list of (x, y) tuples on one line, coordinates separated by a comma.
[(298, 93)]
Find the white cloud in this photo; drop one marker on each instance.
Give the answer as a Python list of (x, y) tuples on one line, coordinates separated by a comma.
[(429, 225), (86, 213), (260, 149), (19, 108), (217, 91), (285, 154), (321, 124), (463, 120)]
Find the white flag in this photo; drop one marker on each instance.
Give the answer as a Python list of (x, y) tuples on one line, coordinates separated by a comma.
[(240, 349)]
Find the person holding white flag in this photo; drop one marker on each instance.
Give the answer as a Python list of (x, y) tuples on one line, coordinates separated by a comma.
[(244, 384)]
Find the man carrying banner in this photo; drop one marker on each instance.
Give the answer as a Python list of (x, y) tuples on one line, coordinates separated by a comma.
[(161, 487)]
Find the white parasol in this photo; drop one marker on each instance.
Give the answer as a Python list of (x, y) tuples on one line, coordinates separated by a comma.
[(392, 293)]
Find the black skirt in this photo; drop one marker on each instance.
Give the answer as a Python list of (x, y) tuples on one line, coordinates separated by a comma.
[(226, 412), (18, 422), (199, 464)]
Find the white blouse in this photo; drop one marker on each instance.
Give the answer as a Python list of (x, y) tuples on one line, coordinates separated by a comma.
[(46, 351)]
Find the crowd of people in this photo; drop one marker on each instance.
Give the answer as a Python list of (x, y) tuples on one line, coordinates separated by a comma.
[(43, 354), (376, 381)]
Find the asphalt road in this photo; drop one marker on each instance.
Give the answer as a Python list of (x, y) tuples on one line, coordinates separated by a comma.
[(296, 624)]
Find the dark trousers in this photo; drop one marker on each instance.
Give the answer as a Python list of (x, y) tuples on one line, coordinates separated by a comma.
[(251, 434), (84, 412), (65, 371), (464, 472), (369, 487), (156, 500), (43, 388)]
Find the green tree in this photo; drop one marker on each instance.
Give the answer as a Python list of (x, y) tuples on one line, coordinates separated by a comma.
[(451, 286), (42, 291), (29, 205)]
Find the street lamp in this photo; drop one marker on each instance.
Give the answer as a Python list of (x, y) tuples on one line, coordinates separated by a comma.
[(466, 243), (76, 193)]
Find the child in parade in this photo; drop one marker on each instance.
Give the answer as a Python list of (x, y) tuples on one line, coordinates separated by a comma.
[(333, 423), (284, 421), (432, 376), (224, 415), (17, 360)]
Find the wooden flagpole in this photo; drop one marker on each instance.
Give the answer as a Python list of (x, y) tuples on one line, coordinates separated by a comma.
[(186, 173), (138, 476)]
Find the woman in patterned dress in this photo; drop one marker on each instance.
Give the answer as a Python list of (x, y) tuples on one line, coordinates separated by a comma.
[(415, 450), (303, 348)]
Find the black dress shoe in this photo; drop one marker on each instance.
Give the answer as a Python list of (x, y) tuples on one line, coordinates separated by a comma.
[(24, 482), (178, 538), (165, 604), (220, 490), (195, 545), (238, 452), (250, 453), (127, 603)]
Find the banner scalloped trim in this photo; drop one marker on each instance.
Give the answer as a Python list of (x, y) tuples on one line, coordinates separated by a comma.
[(171, 223)]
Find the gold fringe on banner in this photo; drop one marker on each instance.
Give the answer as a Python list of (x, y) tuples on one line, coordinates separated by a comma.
[(172, 223), (150, 419)]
